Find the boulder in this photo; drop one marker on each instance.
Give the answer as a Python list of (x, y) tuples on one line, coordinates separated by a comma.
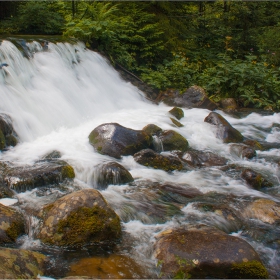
[(8, 136), (255, 179), (178, 113), (265, 210), (228, 104), (115, 140), (11, 224), (199, 251), (193, 97), (172, 140), (199, 158), (79, 219), (150, 158), (112, 173), (152, 129), (21, 264), (22, 178), (242, 151), (224, 131)]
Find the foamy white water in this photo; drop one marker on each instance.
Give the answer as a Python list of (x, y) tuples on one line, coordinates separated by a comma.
[(57, 97)]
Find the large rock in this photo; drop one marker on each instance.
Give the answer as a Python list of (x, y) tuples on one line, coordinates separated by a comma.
[(11, 224), (200, 251), (8, 136), (265, 210), (115, 140), (193, 97), (112, 173), (199, 158), (79, 219), (255, 179), (224, 131), (21, 264), (172, 140), (150, 158), (242, 151), (22, 178)]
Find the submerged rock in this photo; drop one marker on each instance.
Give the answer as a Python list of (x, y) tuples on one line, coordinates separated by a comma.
[(172, 140), (242, 151), (21, 264), (178, 113), (11, 224), (199, 251), (199, 158), (224, 131), (193, 97), (150, 158), (255, 179), (23, 178), (115, 140), (112, 173), (79, 219)]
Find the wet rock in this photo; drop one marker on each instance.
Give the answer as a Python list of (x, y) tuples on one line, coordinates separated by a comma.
[(178, 113), (254, 144), (53, 155), (268, 211), (255, 179), (172, 140), (193, 97), (152, 129), (21, 264), (199, 158), (5, 192), (79, 219), (112, 173), (8, 136), (115, 140), (114, 266), (150, 158), (224, 131), (228, 104), (242, 151), (199, 251), (176, 123), (22, 178), (11, 224)]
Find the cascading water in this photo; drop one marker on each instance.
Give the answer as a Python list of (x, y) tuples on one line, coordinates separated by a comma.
[(58, 96)]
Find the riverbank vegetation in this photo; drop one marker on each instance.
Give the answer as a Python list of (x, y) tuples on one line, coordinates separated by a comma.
[(231, 48)]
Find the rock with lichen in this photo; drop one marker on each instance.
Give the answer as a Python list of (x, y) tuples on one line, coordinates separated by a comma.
[(21, 264), (115, 140), (199, 251), (172, 140), (224, 130), (149, 158), (11, 224), (78, 219)]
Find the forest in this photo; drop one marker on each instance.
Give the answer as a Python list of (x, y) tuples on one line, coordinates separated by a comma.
[(230, 48)]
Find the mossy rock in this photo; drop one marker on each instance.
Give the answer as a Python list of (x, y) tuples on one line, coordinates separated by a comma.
[(254, 179), (254, 144), (178, 113), (228, 104), (172, 140), (22, 178), (115, 140), (112, 173), (78, 219), (176, 123), (199, 251), (149, 158), (11, 140), (21, 264), (152, 129), (224, 130), (11, 224)]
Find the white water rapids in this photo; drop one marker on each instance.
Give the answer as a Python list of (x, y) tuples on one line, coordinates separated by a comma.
[(57, 97)]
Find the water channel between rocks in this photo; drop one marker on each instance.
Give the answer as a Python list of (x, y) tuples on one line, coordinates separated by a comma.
[(56, 97)]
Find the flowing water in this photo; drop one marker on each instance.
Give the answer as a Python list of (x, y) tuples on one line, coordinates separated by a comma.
[(56, 97)]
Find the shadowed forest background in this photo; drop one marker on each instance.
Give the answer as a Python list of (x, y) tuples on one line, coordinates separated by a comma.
[(230, 48)]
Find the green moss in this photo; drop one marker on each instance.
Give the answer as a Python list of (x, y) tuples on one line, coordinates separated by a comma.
[(11, 140), (67, 171), (171, 140), (248, 270), (2, 140), (87, 225), (178, 113), (16, 228)]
